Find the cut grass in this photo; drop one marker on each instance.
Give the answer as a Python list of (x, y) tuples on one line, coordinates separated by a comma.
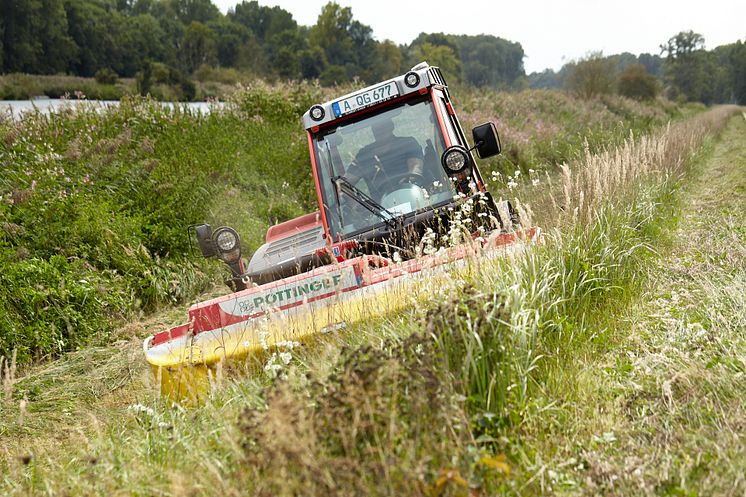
[(661, 411)]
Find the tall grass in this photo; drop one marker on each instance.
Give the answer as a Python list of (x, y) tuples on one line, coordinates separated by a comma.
[(94, 204), (430, 401)]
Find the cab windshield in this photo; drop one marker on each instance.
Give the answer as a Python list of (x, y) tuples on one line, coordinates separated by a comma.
[(382, 166)]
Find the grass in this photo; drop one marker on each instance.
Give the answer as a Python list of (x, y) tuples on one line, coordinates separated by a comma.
[(489, 385), (18, 86), (94, 205), (472, 389)]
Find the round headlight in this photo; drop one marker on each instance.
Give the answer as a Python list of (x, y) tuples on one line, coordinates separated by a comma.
[(226, 239), (455, 160), (412, 79), (317, 113)]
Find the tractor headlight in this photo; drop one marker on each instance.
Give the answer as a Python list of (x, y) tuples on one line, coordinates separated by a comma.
[(317, 113), (412, 79), (455, 159), (228, 243)]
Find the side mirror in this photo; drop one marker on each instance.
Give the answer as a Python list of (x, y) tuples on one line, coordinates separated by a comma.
[(204, 238), (486, 140)]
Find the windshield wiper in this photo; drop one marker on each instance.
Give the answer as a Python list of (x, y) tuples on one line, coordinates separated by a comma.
[(344, 185)]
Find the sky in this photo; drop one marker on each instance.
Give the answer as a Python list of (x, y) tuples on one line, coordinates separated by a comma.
[(551, 32)]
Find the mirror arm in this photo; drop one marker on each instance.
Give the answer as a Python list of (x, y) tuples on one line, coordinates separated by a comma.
[(476, 145)]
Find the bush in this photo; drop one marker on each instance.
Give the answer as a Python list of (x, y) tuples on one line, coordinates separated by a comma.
[(105, 196), (106, 76), (591, 76), (635, 82)]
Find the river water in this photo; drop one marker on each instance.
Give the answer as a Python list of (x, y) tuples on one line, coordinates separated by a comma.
[(16, 108)]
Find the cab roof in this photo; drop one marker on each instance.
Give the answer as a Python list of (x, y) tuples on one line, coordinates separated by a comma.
[(428, 76)]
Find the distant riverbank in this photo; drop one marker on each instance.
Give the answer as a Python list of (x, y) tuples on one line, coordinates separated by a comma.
[(23, 87), (16, 108)]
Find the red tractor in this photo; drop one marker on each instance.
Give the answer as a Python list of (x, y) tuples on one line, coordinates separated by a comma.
[(400, 196)]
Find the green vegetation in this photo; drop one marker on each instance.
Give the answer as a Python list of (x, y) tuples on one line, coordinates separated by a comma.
[(26, 86), (134, 38), (168, 45), (687, 73), (95, 204), (476, 388)]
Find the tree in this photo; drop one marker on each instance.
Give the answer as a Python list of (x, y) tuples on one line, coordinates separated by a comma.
[(263, 21), (652, 63), (230, 37), (312, 62), (590, 76), (188, 11), (330, 33), (198, 46), (346, 43), (285, 51), (21, 25), (547, 79), (388, 60), (442, 56), (333, 75), (635, 82), (738, 75), (58, 48), (491, 61), (685, 65), (97, 33), (683, 44)]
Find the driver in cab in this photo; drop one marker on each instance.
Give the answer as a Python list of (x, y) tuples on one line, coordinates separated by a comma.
[(387, 162)]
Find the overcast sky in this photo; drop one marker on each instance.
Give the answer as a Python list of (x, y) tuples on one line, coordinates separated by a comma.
[(551, 32)]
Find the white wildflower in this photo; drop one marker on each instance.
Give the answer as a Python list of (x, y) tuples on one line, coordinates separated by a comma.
[(286, 357), (139, 408)]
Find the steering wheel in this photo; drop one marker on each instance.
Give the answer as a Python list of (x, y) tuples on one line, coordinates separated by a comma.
[(392, 182)]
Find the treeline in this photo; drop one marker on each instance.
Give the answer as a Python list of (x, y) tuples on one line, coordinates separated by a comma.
[(684, 71), (172, 39)]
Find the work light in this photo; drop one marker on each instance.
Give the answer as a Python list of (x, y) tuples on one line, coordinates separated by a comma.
[(228, 243), (317, 113), (455, 159), (411, 79)]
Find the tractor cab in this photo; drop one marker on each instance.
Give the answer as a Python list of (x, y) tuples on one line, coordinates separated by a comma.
[(380, 155), (389, 162)]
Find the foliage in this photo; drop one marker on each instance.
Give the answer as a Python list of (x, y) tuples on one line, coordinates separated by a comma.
[(94, 206), (590, 76), (635, 82), (482, 60), (476, 389), (106, 76), (687, 73), (84, 36)]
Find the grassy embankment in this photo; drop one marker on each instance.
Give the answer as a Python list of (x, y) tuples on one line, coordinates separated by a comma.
[(388, 413)]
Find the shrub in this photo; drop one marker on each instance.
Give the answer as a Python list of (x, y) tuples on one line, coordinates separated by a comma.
[(590, 76), (106, 76), (636, 82)]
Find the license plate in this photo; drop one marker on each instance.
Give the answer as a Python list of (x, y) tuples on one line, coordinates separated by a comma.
[(366, 99)]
